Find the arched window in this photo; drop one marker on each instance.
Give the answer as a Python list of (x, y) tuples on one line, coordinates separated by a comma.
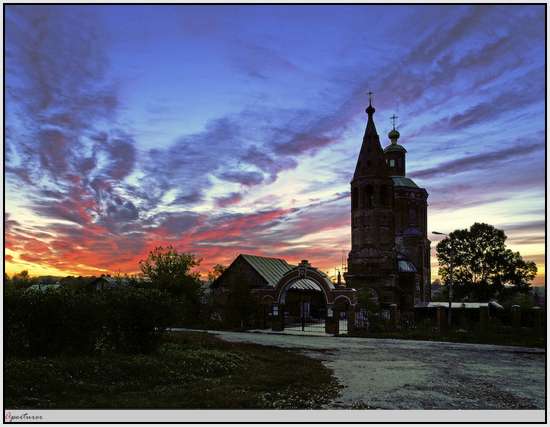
[(369, 196), (354, 198)]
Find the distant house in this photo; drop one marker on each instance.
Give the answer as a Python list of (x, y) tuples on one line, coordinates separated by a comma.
[(108, 282), (43, 287), (539, 294)]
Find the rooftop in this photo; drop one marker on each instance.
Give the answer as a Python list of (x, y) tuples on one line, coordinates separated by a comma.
[(401, 181), (394, 147), (271, 269)]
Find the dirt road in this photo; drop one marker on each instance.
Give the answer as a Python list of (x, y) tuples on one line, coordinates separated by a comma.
[(402, 374)]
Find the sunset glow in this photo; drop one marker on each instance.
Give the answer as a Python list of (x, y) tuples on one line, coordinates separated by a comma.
[(235, 129)]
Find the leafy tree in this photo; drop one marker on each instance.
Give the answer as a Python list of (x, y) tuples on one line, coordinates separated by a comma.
[(481, 263), (8, 284), (171, 272), (216, 272), (368, 299), (22, 279)]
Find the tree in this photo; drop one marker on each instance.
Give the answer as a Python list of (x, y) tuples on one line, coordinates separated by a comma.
[(216, 272), (368, 298), (240, 306), (22, 279), (170, 271), (481, 263)]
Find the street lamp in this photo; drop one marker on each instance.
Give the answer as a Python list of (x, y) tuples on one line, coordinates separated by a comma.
[(449, 318)]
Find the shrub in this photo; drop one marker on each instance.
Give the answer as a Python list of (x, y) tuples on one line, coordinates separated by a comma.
[(136, 318), (61, 321)]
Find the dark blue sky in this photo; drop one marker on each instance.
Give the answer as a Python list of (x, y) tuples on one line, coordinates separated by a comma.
[(227, 129)]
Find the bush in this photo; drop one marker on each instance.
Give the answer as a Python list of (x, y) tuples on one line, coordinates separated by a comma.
[(136, 318), (62, 321), (51, 322)]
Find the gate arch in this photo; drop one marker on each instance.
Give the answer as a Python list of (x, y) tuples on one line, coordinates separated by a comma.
[(305, 272)]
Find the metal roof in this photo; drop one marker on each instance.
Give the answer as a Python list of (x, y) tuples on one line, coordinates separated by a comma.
[(405, 266), (455, 304), (305, 285), (402, 181), (395, 147), (271, 269)]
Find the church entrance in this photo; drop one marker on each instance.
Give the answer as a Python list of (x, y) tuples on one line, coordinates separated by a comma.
[(305, 307), (303, 302), (342, 309)]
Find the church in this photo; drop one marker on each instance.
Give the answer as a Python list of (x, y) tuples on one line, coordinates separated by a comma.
[(390, 250), (389, 257)]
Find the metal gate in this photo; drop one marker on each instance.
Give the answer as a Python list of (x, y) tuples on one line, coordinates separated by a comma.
[(311, 319)]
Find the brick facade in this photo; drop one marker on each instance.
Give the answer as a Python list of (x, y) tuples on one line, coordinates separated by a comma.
[(390, 251)]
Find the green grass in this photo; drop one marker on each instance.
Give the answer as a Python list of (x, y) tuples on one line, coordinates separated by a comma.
[(523, 338), (190, 371)]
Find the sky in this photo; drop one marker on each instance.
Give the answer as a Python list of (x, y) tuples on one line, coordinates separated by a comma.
[(235, 129)]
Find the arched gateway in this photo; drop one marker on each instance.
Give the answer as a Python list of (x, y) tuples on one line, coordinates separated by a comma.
[(305, 299)]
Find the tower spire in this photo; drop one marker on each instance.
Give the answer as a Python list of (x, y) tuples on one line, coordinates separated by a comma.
[(371, 161), (371, 129)]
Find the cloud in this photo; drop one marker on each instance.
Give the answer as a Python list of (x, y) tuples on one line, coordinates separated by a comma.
[(242, 177), (174, 224), (527, 226), (469, 163), (103, 200), (483, 112), (260, 61), (230, 199)]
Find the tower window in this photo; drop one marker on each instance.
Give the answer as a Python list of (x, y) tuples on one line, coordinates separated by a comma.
[(369, 195), (392, 163), (354, 203)]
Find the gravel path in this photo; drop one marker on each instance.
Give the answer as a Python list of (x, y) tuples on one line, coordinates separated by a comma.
[(404, 374)]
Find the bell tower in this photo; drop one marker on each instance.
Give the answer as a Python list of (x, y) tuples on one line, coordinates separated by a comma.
[(395, 153), (372, 260)]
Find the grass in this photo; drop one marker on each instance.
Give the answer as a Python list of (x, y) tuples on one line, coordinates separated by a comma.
[(190, 371), (524, 338)]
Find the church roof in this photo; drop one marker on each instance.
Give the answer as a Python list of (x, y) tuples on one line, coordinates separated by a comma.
[(394, 147), (271, 269), (402, 181), (405, 266), (371, 161), (305, 285)]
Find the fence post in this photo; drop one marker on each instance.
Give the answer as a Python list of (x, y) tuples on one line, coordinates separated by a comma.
[(351, 319), (516, 316), (394, 316), (278, 317), (441, 318), (463, 317), (331, 322), (483, 319), (537, 315)]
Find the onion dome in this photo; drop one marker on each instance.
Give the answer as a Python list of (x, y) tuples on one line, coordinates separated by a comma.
[(393, 135)]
